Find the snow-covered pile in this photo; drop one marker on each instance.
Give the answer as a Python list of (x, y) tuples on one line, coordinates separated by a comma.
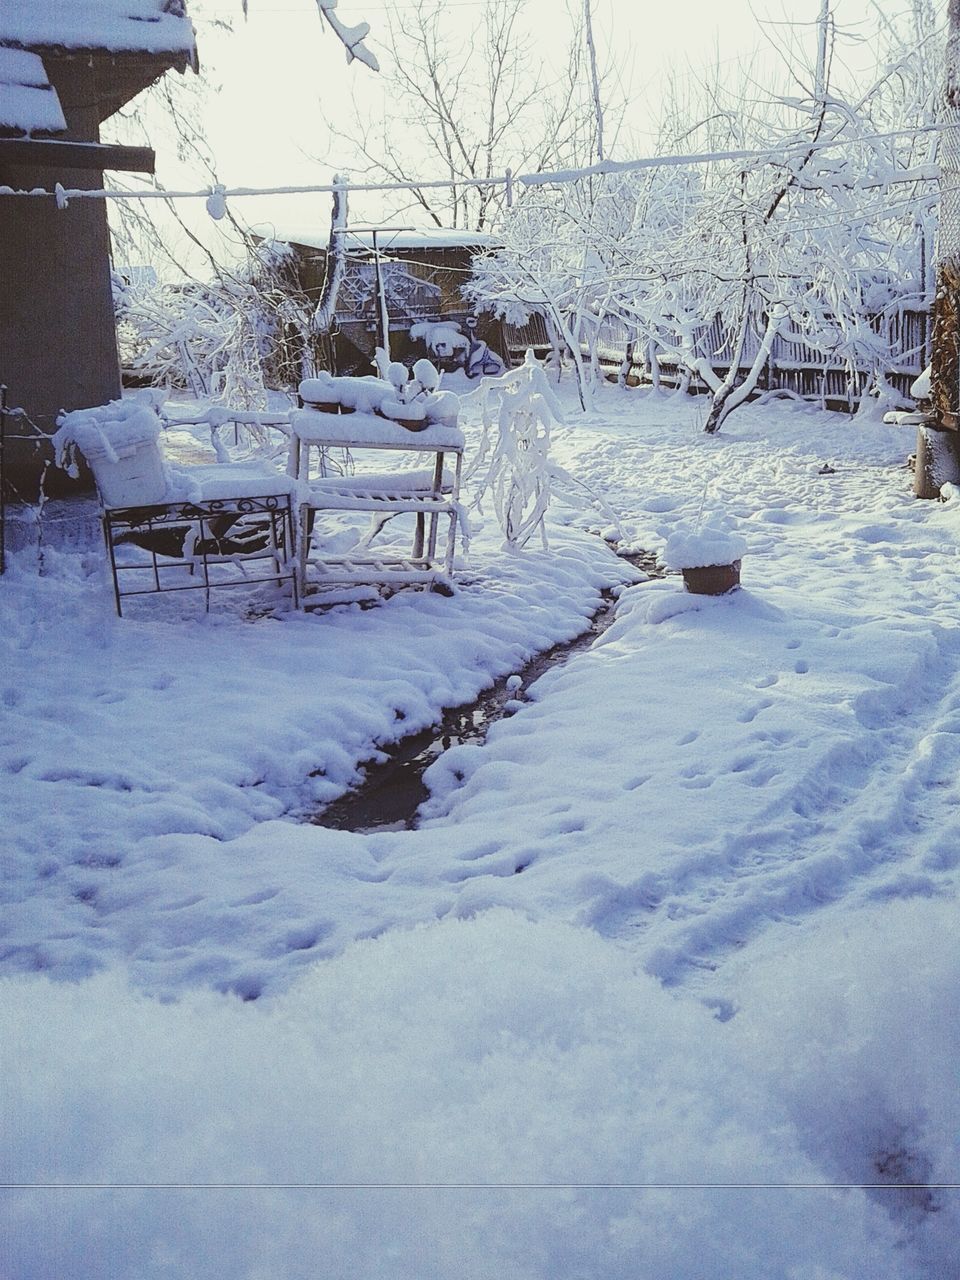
[(119, 440), (363, 394), (441, 339)]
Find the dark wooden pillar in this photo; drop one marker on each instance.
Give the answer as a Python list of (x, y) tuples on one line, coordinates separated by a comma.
[(58, 345)]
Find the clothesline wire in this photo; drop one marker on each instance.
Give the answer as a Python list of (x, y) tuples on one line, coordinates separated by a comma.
[(509, 180)]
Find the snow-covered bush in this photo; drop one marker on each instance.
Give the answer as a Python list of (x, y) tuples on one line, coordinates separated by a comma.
[(513, 462), (231, 339)]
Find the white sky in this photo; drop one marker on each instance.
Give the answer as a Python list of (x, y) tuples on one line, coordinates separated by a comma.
[(283, 74), (281, 77)]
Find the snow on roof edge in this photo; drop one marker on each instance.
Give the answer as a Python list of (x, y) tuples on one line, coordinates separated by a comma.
[(415, 238), (114, 26)]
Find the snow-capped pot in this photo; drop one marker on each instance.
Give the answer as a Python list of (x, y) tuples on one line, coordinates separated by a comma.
[(712, 579), (411, 415), (709, 559), (120, 442)]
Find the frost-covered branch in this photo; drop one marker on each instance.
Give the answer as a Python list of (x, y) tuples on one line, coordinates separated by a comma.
[(773, 230), (513, 463), (352, 38)]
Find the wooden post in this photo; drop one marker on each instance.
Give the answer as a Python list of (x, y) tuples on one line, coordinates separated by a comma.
[(383, 316)]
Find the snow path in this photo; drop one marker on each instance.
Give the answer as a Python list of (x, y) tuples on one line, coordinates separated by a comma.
[(859, 829)]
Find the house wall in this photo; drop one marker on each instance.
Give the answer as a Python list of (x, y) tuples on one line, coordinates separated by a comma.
[(58, 347)]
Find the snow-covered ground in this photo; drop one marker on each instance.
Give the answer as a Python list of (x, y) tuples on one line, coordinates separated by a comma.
[(664, 985)]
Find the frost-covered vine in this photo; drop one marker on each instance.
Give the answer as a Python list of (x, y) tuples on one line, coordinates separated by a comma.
[(513, 463)]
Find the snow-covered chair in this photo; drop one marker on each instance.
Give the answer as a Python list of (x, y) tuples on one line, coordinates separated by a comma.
[(190, 519)]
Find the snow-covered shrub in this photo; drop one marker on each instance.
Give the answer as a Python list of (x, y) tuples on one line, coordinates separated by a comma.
[(231, 339), (513, 462)]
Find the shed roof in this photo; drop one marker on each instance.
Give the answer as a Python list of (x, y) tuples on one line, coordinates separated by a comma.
[(423, 238), (117, 26)]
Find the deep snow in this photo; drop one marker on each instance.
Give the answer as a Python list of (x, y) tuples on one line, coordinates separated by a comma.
[(685, 918)]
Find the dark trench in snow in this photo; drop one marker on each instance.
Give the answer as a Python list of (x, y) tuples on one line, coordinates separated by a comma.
[(392, 791)]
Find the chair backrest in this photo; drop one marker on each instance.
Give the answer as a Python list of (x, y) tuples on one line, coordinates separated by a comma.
[(120, 442)]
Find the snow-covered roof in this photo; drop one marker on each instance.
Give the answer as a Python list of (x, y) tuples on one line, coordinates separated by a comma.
[(28, 103), (420, 238), (142, 26)]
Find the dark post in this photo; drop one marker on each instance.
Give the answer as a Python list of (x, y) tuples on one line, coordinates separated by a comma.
[(382, 313), (937, 443), (3, 483)]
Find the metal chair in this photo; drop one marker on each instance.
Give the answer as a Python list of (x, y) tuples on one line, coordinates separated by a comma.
[(195, 522)]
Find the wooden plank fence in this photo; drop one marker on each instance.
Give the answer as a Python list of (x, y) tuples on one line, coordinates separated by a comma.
[(792, 366)]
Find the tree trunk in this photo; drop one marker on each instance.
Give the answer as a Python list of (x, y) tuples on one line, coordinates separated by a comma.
[(730, 395), (945, 369)]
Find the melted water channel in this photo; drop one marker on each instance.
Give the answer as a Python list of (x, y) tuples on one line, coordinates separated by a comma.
[(391, 792)]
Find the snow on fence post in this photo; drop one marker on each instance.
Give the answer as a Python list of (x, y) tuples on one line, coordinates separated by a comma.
[(945, 363)]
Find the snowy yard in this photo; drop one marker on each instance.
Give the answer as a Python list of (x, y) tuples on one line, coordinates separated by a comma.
[(665, 983)]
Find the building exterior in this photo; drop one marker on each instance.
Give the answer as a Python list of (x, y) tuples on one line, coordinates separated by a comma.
[(418, 274), (64, 69)]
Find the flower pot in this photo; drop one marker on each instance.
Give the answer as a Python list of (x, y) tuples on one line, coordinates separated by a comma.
[(411, 424), (712, 579), (329, 406)]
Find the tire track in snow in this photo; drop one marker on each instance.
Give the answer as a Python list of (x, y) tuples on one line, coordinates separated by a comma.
[(877, 815), (866, 828)]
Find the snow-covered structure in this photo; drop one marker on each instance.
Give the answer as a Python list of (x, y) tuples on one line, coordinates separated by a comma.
[(65, 67), (422, 273)]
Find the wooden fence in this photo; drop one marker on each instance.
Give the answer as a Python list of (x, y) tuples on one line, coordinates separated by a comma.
[(792, 366)]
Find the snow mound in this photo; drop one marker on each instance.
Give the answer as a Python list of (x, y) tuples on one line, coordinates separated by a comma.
[(480, 1093)]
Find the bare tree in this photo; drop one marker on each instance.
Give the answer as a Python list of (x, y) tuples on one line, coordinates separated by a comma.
[(466, 106), (810, 233)]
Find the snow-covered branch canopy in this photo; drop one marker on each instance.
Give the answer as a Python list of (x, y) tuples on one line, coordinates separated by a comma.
[(352, 37)]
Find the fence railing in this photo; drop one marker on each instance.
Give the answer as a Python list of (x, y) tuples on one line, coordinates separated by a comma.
[(793, 365)]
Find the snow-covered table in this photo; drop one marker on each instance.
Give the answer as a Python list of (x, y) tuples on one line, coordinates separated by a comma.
[(429, 493)]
